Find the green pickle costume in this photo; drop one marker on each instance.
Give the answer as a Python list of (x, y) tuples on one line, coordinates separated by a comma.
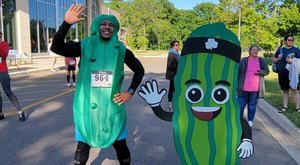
[(206, 118), (97, 118)]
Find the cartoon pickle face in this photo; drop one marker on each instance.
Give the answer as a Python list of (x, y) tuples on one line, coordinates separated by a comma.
[(206, 94), (194, 94), (206, 120)]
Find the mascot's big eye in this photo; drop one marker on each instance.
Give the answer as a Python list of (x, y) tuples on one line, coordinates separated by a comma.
[(220, 94), (194, 94)]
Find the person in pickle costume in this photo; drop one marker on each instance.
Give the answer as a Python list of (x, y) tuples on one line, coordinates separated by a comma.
[(98, 109), (206, 120)]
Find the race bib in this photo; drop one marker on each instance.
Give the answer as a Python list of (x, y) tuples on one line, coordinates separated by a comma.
[(72, 62), (101, 79)]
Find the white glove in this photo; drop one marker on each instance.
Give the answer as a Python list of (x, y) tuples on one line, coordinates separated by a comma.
[(246, 148), (149, 92)]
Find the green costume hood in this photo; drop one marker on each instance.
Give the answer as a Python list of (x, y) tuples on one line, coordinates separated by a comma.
[(95, 35), (98, 119)]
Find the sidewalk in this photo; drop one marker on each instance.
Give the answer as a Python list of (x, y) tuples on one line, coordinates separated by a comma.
[(280, 127), (39, 64)]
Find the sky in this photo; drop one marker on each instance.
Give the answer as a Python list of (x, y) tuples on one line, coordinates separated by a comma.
[(189, 4)]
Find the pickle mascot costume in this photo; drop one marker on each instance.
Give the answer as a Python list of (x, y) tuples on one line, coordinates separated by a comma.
[(99, 121), (206, 120)]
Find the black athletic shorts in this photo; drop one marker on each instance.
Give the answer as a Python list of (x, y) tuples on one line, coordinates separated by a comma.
[(284, 82), (71, 67)]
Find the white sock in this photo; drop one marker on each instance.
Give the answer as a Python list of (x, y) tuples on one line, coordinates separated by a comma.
[(170, 104)]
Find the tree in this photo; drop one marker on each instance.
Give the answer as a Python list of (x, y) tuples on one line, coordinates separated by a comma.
[(206, 12), (262, 22), (288, 20), (142, 43)]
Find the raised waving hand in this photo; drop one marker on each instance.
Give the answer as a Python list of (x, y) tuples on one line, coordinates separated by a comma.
[(73, 15), (149, 92)]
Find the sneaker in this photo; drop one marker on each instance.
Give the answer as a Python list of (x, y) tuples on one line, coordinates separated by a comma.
[(170, 108), (22, 116), (1, 116), (250, 123), (282, 110), (52, 70), (69, 85), (74, 84)]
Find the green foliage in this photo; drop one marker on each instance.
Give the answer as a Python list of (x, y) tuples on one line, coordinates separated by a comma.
[(206, 11), (187, 21), (289, 20), (267, 54), (142, 43), (263, 22)]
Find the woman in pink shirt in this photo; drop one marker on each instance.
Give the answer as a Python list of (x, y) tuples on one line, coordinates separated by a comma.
[(250, 70)]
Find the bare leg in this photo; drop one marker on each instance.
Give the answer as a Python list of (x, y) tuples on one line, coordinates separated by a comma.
[(285, 98), (53, 63), (296, 98)]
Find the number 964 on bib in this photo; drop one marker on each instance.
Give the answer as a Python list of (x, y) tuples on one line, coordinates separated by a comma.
[(101, 79)]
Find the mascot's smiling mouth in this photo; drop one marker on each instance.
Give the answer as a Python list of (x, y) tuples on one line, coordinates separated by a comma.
[(206, 113)]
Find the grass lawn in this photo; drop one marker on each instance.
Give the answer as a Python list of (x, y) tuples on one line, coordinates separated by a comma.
[(149, 52), (274, 96)]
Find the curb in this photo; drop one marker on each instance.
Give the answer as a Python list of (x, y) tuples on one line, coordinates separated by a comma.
[(280, 119), (280, 128), (27, 73)]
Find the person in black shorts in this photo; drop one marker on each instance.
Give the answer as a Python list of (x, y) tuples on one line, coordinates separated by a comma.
[(283, 56), (71, 68)]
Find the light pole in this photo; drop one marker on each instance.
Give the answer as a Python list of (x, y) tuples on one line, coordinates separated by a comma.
[(1, 19), (240, 15)]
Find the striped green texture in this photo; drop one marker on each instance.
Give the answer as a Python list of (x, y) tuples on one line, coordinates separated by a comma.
[(206, 142)]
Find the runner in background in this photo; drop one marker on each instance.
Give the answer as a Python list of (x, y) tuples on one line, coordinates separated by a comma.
[(71, 68)]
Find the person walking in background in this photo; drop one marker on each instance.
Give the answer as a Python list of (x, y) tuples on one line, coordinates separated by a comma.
[(98, 107), (281, 58), (71, 68), (53, 55), (251, 68), (172, 63), (5, 81)]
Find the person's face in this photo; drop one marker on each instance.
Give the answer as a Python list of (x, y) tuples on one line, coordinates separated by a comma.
[(176, 46), (254, 51), (289, 42), (106, 29)]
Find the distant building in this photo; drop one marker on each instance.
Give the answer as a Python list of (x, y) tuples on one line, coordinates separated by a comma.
[(29, 24)]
